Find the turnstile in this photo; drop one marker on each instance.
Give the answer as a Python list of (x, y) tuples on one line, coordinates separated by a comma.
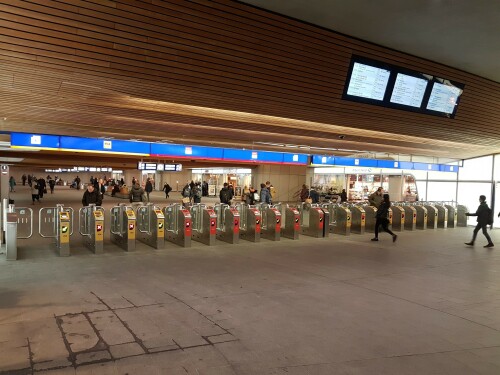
[(410, 217), (398, 218), (271, 222), (204, 224), (432, 216), (178, 225), (358, 221), (290, 221), (452, 216), (339, 218), (421, 212), (123, 226), (17, 224), (442, 218), (91, 227), (312, 220), (370, 218), (228, 223), (461, 215), (57, 222), (250, 222), (151, 226)]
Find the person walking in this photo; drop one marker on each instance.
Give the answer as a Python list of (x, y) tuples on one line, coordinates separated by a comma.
[(197, 193), (136, 193), (225, 194), (265, 195), (24, 178), (42, 187), (30, 178), (34, 191), (484, 218), (382, 220), (52, 185), (149, 187), (343, 196), (91, 196), (167, 189), (12, 183)]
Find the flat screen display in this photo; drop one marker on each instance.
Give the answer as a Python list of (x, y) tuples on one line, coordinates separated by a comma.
[(408, 90), (368, 81), (444, 97)]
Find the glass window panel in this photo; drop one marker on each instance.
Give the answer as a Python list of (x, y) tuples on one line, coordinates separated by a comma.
[(468, 195), (419, 175), (442, 176), (441, 191), (422, 190), (496, 173), (478, 169)]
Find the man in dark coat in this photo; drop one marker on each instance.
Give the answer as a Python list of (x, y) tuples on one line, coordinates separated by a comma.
[(483, 214), (91, 196)]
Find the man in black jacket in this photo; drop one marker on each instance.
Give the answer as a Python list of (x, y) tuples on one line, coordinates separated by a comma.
[(91, 196), (483, 214)]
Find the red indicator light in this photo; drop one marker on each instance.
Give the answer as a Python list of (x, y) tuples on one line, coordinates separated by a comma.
[(131, 226), (99, 227)]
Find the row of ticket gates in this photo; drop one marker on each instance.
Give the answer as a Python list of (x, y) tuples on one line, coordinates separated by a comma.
[(153, 225)]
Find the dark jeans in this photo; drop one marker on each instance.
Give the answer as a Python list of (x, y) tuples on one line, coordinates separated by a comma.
[(476, 229), (384, 222)]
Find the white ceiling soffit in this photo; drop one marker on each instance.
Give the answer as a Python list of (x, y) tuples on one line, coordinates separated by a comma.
[(463, 34)]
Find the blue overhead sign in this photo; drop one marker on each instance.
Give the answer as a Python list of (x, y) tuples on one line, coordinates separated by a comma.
[(183, 151), (104, 145), (390, 164), (39, 141)]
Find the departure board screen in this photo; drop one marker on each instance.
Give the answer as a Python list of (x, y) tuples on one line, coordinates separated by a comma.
[(408, 90), (368, 81), (443, 98), (386, 85)]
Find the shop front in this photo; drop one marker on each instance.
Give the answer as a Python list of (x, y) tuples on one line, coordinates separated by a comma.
[(239, 178), (360, 182)]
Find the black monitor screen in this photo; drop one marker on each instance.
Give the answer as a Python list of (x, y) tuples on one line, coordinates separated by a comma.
[(375, 82)]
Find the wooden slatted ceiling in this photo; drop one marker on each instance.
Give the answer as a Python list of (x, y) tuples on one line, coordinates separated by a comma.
[(72, 58)]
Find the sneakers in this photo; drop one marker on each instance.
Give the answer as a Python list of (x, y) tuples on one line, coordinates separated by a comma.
[(375, 239), (489, 245), (394, 238), (469, 243)]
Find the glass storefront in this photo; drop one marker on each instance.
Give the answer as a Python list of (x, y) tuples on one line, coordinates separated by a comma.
[(216, 177)]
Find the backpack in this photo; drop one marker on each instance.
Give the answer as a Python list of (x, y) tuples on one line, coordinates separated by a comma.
[(490, 217), (186, 192), (225, 196)]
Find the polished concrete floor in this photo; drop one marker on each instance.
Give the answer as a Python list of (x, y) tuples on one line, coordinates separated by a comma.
[(426, 304)]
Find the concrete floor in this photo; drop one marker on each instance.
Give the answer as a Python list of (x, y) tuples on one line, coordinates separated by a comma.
[(426, 304)]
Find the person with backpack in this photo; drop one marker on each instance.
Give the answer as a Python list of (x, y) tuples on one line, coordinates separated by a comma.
[(197, 192), (136, 194), (484, 218), (225, 194), (382, 218), (167, 189)]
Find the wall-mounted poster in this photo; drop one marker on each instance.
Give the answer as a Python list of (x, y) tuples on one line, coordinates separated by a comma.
[(211, 190), (237, 191)]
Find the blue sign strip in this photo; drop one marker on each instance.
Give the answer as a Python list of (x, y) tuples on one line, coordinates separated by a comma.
[(34, 140), (339, 161), (104, 145)]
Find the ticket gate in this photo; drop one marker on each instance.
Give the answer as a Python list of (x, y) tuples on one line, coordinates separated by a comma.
[(151, 226), (358, 217), (452, 216), (370, 218), (340, 218), (432, 216), (250, 222), (57, 222), (18, 224), (271, 222), (123, 226), (461, 215), (410, 217), (312, 220), (398, 218), (228, 223), (290, 221), (442, 219), (91, 227), (204, 227), (421, 213), (178, 225)]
